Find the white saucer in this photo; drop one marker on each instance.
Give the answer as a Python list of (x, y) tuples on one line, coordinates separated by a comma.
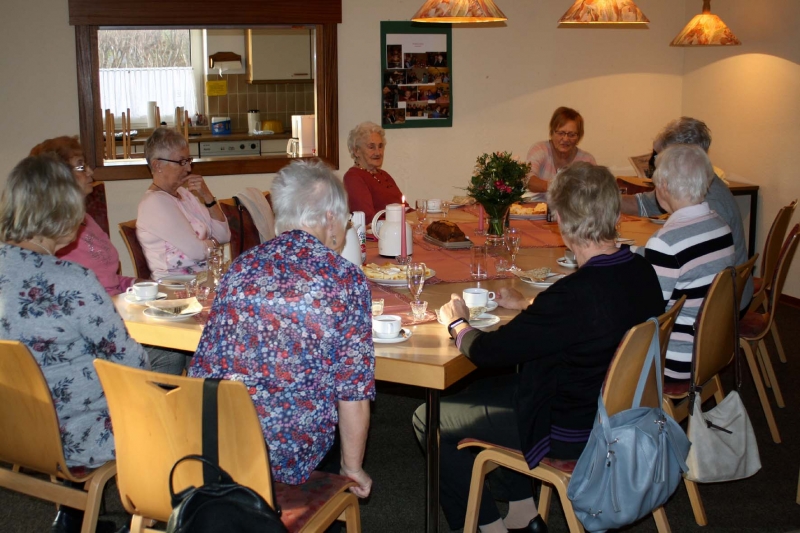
[(132, 299), (161, 315), (405, 334), (659, 221), (548, 282), (562, 261), (484, 321), (491, 305)]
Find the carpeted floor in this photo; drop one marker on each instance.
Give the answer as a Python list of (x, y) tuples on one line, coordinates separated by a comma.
[(763, 503)]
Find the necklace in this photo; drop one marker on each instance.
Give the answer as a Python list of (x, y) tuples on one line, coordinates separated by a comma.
[(48, 252), (373, 172), (162, 190)]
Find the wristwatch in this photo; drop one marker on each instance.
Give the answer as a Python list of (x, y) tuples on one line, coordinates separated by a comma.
[(212, 203), (453, 324)]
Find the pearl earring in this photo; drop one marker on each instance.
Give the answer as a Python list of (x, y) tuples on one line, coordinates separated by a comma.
[(334, 240)]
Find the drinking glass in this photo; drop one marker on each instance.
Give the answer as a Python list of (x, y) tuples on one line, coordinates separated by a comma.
[(214, 264), (445, 208), (377, 306), (415, 275), (422, 214), (513, 238), (418, 310)]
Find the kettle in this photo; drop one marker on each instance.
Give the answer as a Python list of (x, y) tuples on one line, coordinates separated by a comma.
[(388, 231), (352, 240)]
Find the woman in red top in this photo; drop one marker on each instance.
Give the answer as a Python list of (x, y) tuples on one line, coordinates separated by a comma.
[(369, 188)]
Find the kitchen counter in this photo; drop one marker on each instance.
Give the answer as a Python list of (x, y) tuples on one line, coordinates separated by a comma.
[(235, 136)]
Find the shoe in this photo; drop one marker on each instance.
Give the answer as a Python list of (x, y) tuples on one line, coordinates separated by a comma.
[(67, 521), (537, 525)]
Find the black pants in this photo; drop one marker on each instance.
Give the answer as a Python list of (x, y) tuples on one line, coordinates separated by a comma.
[(484, 411)]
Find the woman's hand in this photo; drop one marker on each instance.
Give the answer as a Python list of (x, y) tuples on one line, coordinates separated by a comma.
[(512, 299), (362, 478), (197, 186), (455, 308)]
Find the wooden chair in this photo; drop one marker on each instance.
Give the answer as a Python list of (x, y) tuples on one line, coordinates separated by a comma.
[(618, 392), (157, 420), (31, 439), (244, 233), (713, 351), (97, 207), (140, 266), (772, 249), (755, 326)]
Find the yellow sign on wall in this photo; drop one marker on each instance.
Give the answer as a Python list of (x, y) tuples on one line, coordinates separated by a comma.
[(217, 88)]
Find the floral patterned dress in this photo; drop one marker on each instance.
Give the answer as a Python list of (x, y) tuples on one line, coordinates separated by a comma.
[(62, 314), (292, 321)]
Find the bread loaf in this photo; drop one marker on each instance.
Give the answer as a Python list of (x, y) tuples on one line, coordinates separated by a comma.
[(446, 231)]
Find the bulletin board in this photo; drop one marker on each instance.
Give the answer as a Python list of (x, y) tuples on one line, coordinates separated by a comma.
[(416, 75)]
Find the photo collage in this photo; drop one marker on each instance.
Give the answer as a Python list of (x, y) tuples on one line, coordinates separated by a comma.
[(416, 85)]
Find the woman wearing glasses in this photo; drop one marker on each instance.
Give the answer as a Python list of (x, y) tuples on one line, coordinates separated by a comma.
[(178, 217), (548, 157), (92, 249)]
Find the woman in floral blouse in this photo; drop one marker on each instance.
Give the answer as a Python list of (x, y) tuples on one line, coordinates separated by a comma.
[(57, 308), (292, 321)]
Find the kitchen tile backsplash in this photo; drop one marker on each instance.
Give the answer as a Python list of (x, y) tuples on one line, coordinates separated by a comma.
[(275, 101)]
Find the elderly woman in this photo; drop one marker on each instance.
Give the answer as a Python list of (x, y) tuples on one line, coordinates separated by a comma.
[(369, 187), (687, 130), (548, 157), (93, 248), (692, 247), (292, 321), (564, 340), (179, 218), (58, 309)]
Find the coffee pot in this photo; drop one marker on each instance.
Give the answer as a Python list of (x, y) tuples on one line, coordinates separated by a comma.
[(388, 231), (355, 240)]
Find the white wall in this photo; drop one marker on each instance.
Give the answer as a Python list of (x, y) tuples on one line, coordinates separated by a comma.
[(508, 79), (750, 97)]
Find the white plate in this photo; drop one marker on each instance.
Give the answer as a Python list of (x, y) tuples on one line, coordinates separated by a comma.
[(491, 305), (176, 281), (398, 282), (659, 221), (546, 283), (458, 206), (161, 315), (482, 321), (436, 212), (131, 299), (623, 240), (405, 334), (562, 261), (527, 217)]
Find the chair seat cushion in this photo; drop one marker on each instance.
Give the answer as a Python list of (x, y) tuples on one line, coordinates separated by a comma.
[(299, 503), (757, 284), (753, 325), (676, 388)]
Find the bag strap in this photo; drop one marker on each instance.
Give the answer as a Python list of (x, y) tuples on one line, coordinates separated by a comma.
[(210, 430)]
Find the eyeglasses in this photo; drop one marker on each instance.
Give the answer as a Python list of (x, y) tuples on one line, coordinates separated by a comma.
[(79, 168), (182, 162), (567, 134)]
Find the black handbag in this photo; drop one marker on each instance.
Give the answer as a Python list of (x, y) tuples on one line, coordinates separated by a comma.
[(220, 504)]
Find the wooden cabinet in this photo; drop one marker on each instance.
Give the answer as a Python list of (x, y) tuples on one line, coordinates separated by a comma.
[(279, 55)]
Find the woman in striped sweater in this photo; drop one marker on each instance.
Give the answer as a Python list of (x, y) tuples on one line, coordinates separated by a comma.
[(694, 245)]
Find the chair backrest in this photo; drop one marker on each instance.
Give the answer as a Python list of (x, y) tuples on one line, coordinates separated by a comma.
[(714, 328), (244, 233), (140, 266), (29, 430), (96, 206), (782, 270), (623, 373), (774, 242), (157, 419), (665, 324), (743, 273)]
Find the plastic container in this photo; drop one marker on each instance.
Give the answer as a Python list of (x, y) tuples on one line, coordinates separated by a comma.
[(220, 125)]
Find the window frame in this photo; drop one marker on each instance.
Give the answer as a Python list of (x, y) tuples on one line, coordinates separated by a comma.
[(90, 15)]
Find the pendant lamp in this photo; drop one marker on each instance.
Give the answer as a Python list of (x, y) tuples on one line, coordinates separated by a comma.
[(459, 11), (705, 29), (604, 12)]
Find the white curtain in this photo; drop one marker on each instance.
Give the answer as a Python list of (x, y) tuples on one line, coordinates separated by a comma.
[(123, 88)]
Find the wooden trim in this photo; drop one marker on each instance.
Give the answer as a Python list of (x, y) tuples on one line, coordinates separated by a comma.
[(91, 124), (328, 94), (203, 12), (790, 300)]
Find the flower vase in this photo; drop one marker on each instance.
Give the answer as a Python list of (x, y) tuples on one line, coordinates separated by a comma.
[(496, 215)]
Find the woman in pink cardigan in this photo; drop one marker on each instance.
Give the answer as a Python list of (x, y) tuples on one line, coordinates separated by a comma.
[(93, 248)]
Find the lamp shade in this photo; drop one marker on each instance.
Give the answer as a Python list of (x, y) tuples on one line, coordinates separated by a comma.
[(705, 29), (604, 12), (459, 11)]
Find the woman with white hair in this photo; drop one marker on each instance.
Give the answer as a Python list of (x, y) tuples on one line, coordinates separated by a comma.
[(369, 187), (692, 247), (178, 218), (292, 321)]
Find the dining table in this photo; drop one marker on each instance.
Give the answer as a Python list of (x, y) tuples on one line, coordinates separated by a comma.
[(427, 358)]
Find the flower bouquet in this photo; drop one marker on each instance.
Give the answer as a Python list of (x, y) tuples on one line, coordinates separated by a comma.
[(498, 181)]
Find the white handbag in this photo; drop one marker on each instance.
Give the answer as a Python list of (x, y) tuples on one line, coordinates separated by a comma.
[(724, 445)]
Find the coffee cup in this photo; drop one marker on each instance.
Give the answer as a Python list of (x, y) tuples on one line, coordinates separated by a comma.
[(144, 290), (434, 205), (386, 326), (569, 256), (477, 300)]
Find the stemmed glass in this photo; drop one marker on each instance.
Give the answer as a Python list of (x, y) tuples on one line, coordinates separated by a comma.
[(415, 274), (445, 208), (513, 238), (422, 214)]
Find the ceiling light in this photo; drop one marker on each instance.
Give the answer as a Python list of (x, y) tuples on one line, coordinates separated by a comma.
[(604, 12), (459, 11), (705, 29)]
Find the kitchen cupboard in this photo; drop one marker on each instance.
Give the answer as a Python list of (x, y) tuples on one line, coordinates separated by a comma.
[(279, 55)]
